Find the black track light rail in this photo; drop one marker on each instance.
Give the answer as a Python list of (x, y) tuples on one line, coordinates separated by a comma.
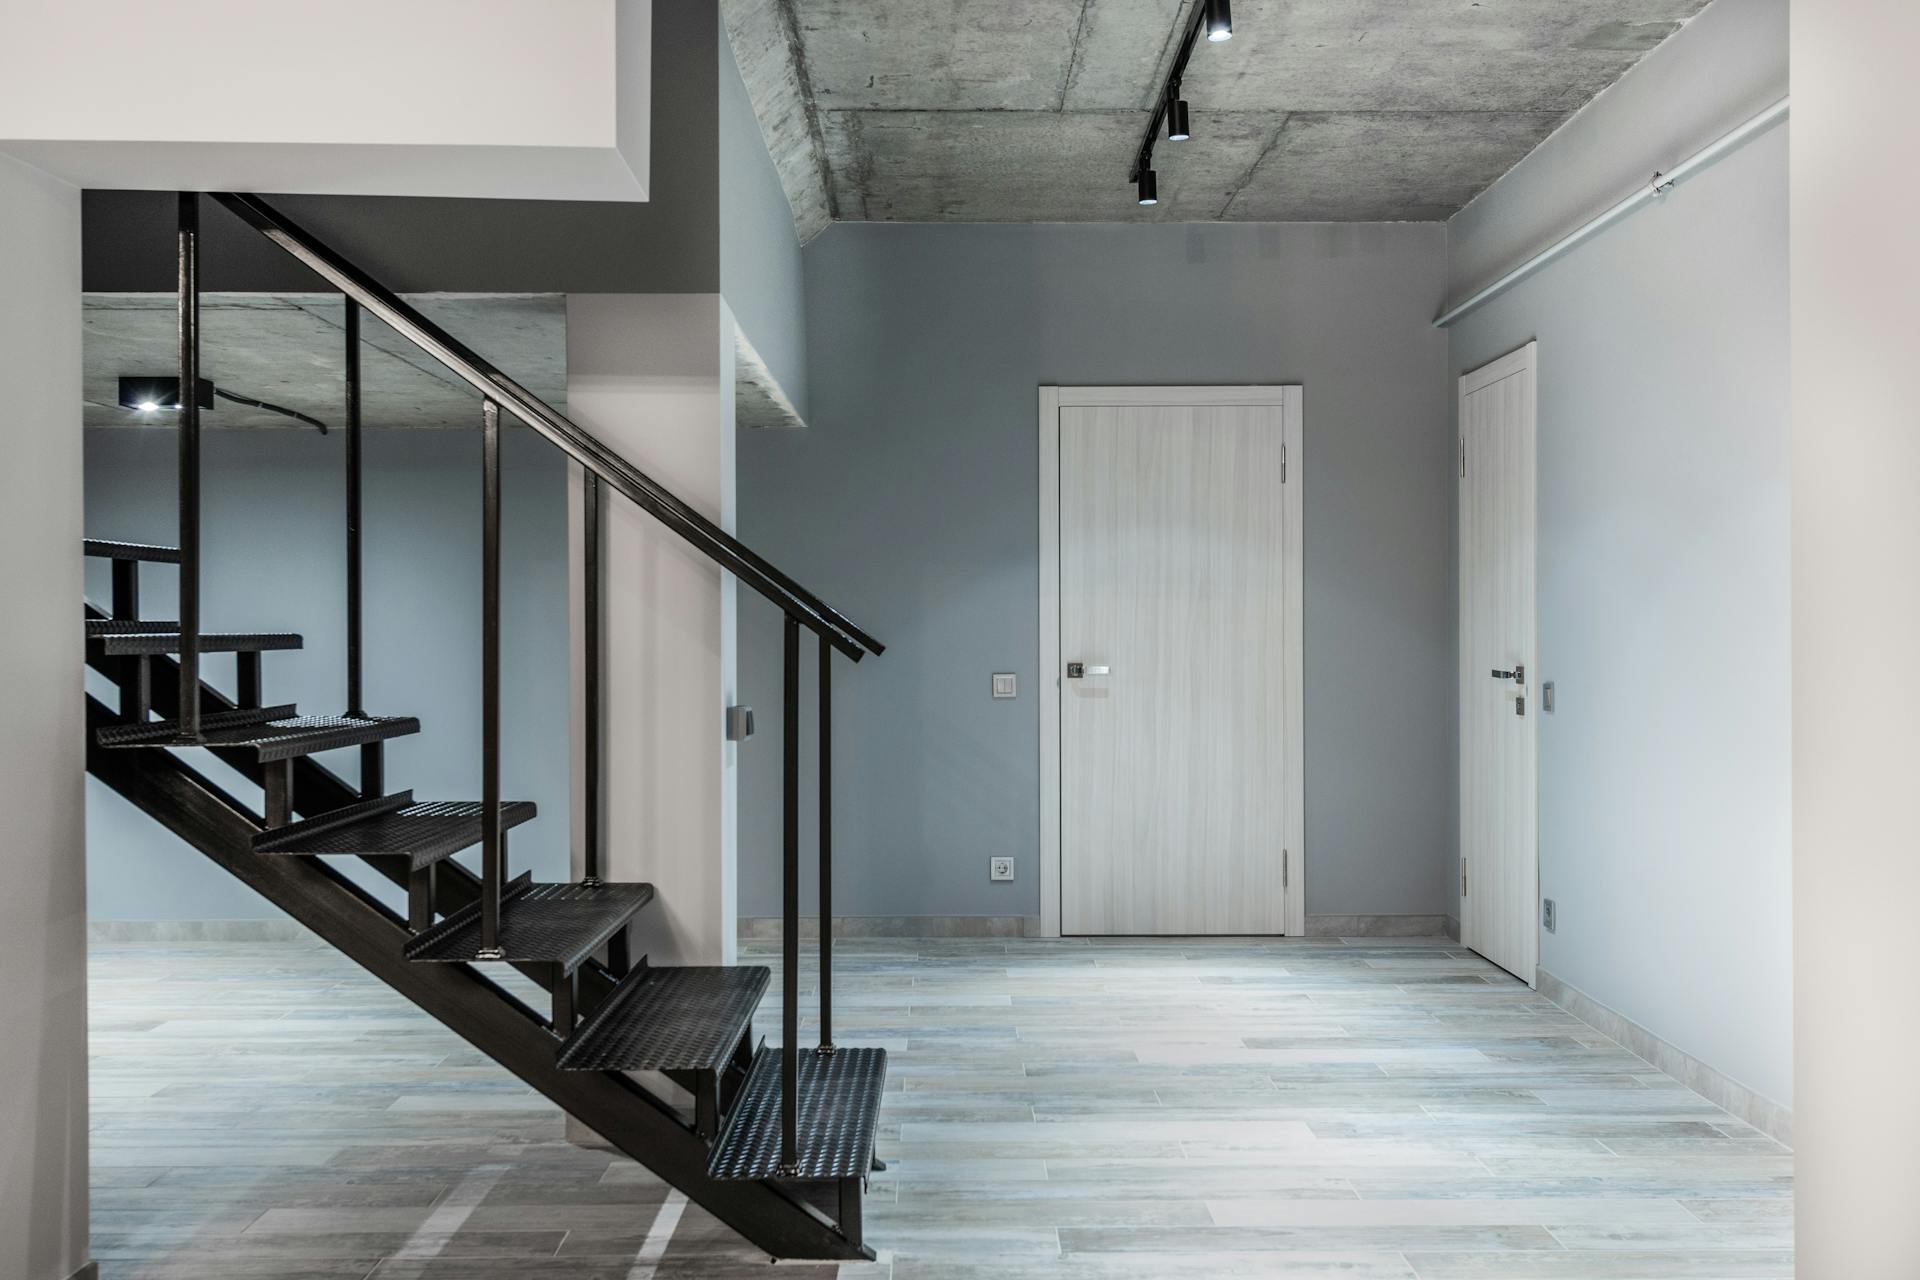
[(1206, 13)]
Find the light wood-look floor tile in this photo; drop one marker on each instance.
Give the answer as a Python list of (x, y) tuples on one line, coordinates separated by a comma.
[(1367, 1109)]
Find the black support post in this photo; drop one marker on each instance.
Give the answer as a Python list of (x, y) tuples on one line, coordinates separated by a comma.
[(278, 784), (420, 887), (790, 906), (246, 690), (590, 676), (493, 853), (126, 589), (189, 326), (826, 847)]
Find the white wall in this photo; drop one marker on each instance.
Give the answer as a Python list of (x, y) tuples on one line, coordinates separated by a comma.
[(1664, 507), (911, 503), (507, 98), (43, 999), (1856, 635), (649, 375)]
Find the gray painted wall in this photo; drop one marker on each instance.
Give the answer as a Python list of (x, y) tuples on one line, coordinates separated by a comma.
[(274, 560), (417, 244), (43, 1002), (912, 502), (1664, 483), (760, 273)]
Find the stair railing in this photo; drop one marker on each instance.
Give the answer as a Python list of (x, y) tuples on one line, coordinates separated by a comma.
[(602, 467)]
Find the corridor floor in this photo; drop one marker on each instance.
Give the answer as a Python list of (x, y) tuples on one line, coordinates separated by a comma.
[(1366, 1109)]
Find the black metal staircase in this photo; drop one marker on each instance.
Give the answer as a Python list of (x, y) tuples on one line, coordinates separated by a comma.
[(778, 1142)]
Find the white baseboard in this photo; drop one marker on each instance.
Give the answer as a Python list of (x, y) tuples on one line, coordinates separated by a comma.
[(198, 931), (1722, 1090), (1377, 927), (767, 928)]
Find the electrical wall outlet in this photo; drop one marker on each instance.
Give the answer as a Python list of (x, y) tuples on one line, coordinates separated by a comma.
[(1549, 918), (999, 868)]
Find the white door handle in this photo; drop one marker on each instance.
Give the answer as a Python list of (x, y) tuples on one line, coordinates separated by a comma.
[(1075, 670)]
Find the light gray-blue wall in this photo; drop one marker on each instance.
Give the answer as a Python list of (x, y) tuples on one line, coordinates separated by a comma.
[(760, 272), (912, 502), (275, 561), (1665, 770)]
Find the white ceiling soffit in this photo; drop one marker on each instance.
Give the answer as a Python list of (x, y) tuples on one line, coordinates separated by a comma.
[(523, 99), (1030, 111)]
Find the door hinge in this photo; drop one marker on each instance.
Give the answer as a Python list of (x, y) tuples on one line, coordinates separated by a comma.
[(1463, 457), (1463, 877), (1286, 862), (1283, 462)]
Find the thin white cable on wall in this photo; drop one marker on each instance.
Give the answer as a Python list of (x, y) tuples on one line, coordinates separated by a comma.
[(1660, 184)]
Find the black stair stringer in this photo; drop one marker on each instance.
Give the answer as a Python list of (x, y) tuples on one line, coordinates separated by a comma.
[(611, 1104)]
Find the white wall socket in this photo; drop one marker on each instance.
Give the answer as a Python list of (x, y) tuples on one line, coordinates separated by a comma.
[(999, 868)]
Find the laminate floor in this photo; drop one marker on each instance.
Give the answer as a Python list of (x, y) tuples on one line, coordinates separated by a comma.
[(1367, 1109)]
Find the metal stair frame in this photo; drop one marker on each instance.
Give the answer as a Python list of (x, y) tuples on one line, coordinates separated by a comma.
[(613, 1105)]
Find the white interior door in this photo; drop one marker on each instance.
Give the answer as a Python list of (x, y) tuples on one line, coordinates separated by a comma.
[(1177, 785), (1499, 706)]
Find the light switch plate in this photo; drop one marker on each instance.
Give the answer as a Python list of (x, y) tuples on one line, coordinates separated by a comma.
[(1003, 684), (999, 868)]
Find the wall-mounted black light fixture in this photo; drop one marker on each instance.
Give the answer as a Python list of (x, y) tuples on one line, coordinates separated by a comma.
[(1214, 18), (150, 395), (160, 393)]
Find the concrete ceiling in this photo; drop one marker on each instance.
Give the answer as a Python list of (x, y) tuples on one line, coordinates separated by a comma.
[(287, 349), (1030, 110)]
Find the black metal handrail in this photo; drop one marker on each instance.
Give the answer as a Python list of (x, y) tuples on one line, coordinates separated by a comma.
[(579, 444), (600, 466)]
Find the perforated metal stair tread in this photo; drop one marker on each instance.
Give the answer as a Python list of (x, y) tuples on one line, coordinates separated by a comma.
[(270, 733), (132, 551), (424, 832), (128, 638), (559, 924), (839, 1112), (669, 1019)]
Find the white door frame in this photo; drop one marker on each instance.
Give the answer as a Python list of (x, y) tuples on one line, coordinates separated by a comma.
[(1052, 400), (1525, 362)]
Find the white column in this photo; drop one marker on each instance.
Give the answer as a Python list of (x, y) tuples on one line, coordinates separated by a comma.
[(650, 375), (43, 925), (1856, 636)]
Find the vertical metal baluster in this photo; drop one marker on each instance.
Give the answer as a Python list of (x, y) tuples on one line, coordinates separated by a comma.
[(189, 262), (493, 871), (826, 846), (590, 640), (355, 697), (790, 923), (373, 755)]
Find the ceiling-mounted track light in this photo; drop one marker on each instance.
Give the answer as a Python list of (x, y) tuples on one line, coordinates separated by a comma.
[(1219, 20), (1215, 19), (1178, 129)]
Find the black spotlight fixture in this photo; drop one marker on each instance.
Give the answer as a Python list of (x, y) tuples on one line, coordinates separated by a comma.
[(1219, 20), (162, 392), (1213, 19), (150, 395), (1178, 129)]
